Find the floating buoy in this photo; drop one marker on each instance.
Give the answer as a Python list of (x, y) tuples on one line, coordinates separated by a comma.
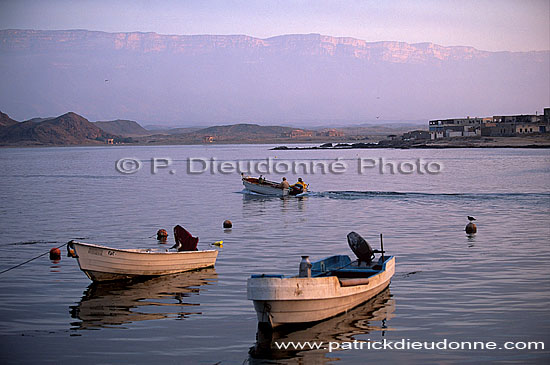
[(55, 254), (471, 228), (162, 235), (218, 243), (227, 224)]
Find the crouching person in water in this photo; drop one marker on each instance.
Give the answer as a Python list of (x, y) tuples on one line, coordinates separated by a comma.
[(300, 186)]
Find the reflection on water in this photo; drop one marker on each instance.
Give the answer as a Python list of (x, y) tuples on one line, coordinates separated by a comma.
[(119, 302), (364, 319), (255, 202)]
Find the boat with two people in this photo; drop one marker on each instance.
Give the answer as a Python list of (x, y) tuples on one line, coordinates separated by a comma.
[(322, 289), (263, 186)]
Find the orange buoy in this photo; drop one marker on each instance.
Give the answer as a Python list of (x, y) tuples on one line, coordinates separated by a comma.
[(162, 235), (471, 228), (55, 254), (227, 224)]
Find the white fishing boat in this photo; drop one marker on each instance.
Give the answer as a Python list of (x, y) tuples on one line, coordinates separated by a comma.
[(323, 289), (102, 263), (266, 187)]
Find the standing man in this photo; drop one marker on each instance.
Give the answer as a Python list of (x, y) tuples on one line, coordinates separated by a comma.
[(284, 184)]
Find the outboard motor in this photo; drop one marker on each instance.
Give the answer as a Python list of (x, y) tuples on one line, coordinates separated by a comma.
[(360, 248), (184, 240)]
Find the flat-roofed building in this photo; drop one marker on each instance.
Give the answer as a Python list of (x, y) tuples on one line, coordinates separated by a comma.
[(457, 127)]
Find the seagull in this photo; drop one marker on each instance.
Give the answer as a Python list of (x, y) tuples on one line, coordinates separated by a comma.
[(470, 218)]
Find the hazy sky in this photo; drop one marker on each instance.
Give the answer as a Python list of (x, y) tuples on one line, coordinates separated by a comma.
[(493, 25)]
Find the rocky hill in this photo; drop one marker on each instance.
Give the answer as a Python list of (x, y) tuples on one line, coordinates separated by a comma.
[(307, 79), (67, 129), (243, 130), (125, 128), (6, 121)]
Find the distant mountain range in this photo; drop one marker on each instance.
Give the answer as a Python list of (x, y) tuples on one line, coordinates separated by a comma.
[(73, 129), (301, 80)]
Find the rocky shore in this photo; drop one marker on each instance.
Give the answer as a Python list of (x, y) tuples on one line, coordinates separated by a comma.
[(532, 141)]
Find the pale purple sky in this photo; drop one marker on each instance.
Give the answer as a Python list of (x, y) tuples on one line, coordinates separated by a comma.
[(492, 25)]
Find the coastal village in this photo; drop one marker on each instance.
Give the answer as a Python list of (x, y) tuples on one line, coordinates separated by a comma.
[(496, 126)]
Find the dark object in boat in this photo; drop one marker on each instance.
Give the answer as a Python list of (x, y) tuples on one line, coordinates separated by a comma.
[(295, 190), (360, 248), (184, 240)]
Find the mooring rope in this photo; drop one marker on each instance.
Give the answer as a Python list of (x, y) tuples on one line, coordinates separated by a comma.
[(26, 262)]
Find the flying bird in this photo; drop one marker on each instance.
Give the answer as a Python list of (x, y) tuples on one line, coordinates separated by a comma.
[(470, 218)]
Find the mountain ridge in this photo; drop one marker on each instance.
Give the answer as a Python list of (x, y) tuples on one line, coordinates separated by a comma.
[(310, 79), (318, 44)]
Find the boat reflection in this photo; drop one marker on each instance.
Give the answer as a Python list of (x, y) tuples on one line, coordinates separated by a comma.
[(112, 304), (264, 203), (367, 318)]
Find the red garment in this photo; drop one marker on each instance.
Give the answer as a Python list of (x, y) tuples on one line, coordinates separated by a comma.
[(184, 240)]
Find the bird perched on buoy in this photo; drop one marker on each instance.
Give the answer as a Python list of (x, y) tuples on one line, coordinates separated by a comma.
[(471, 227)]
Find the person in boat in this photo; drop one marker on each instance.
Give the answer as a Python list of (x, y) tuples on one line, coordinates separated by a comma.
[(261, 179), (284, 184), (300, 185)]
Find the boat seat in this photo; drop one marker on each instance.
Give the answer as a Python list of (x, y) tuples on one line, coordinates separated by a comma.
[(357, 270), (354, 273), (256, 276)]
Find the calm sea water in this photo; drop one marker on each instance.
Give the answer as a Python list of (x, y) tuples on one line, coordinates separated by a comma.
[(494, 286)]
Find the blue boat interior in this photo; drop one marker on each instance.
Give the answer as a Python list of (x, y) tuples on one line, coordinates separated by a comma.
[(340, 266)]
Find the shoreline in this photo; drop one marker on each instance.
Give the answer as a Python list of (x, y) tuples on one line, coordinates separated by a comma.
[(535, 142)]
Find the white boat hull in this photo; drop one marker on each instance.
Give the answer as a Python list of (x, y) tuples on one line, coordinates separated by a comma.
[(265, 189), (102, 263), (300, 299)]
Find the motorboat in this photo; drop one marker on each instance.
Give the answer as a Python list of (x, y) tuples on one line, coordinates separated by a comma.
[(322, 289)]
